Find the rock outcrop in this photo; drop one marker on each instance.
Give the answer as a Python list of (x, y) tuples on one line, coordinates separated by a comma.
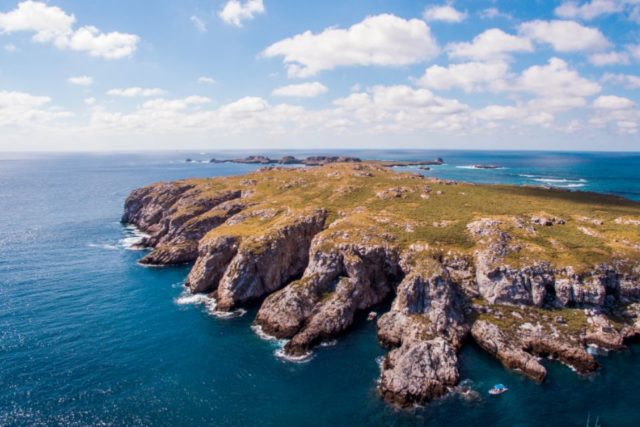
[(317, 247)]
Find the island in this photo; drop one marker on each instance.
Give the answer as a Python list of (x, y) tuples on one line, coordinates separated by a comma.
[(525, 272), (322, 160)]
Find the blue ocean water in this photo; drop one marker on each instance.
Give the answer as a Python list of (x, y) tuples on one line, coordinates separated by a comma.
[(89, 337)]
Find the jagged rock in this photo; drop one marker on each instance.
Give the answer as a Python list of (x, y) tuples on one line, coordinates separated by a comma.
[(603, 334), (510, 354), (265, 263), (546, 220), (418, 372), (627, 221), (176, 217), (572, 355), (341, 279), (213, 258), (428, 305), (497, 282)]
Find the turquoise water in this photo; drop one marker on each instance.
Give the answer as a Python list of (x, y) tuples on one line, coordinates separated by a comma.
[(89, 337)]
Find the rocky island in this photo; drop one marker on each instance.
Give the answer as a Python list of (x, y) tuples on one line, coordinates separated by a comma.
[(525, 272), (322, 160)]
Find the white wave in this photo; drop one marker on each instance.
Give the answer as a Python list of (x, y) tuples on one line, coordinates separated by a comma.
[(329, 343), (525, 175), (103, 246), (187, 298), (132, 238), (280, 354), (560, 180), (210, 304), (213, 311), (572, 186), (595, 350), (475, 167), (257, 329)]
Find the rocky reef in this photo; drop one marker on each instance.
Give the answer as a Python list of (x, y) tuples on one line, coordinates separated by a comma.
[(527, 273)]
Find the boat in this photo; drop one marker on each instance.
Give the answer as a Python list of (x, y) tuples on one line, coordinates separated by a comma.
[(498, 389)]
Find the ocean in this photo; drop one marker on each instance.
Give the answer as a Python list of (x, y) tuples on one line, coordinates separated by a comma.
[(90, 338)]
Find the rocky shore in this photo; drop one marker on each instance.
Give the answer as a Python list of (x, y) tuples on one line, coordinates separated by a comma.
[(526, 273)]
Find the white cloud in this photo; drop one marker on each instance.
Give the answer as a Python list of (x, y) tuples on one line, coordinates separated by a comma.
[(554, 79), (500, 112), (246, 105), (382, 40), (80, 80), (491, 44), (90, 101), (205, 80), (198, 23), (470, 76), (19, 109), (131, 92), (11, 48), (627, 80), (235, 11), (564, 36), (445, 13), (611, 102), (52, 25), (634, 50), (113, 45), (303, 90), (609, 58), (594, 8), (494, 12), (176, 104)]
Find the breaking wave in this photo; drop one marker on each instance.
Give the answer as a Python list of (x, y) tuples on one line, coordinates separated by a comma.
[(132, 238)]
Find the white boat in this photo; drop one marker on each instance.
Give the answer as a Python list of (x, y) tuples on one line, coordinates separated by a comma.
[(498, 389)]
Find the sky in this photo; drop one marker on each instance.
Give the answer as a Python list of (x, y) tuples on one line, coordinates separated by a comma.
[(319, 74)]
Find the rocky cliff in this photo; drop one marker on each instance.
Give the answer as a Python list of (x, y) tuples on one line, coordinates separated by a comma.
[(525, 272)]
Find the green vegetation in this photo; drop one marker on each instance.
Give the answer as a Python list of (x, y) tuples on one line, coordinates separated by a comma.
[(374, 202)]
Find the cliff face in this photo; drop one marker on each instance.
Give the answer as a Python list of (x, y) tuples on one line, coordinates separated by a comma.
[(525, 272)]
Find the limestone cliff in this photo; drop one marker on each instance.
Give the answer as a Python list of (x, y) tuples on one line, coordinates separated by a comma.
[(525, 272)]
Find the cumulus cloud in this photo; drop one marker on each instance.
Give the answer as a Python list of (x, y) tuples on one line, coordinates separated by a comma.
[(19, 109), (206, 80), (80, 80), (198, 23), (491, 44), (611, 102), (52, 25), (382, 40), (469, 76), (235, 12), (556, 78), (11, 48), (564, 36), (303, 90), (445, 13), (131, 92), (627, 80), (609, 58), (595, 8)]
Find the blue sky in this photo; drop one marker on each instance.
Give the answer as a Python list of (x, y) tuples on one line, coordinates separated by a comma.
[(122, 75)]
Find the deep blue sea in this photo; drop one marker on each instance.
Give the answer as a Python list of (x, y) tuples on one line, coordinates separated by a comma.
[(89, 338)]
